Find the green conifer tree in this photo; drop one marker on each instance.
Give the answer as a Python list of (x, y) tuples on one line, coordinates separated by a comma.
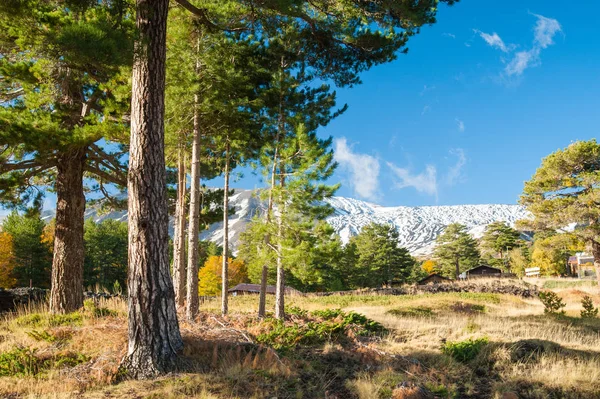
[(456, 250), (64, 70)]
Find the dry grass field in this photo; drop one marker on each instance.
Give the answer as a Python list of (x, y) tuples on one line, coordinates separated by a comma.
[(446, 345)]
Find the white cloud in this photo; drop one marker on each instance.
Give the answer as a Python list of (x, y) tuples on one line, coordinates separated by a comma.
[(523, 60), (363, 169), (455, 171), (424, 182), (451, 35), (460, 125), (426, 109), (494, 40), (545, 30)]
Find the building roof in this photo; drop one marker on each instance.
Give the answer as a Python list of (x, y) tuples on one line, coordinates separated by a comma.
[(255, 288), (495, 269)]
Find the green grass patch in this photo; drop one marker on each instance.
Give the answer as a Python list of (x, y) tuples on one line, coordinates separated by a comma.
[(552, 284), (49, 320), (413, 311), (317, 328), (26, 362), (464, 351)]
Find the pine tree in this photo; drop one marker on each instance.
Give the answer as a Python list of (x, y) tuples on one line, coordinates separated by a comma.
[(565, 190), (105, 253), (380, 260), (31, 256), (456, 251), (64, 94), (499, 238)]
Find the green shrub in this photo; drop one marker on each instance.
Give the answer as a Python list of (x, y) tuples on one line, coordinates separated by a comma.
[(318, 327), (89, 305), (552, 302), (21, 362), (589, 311), (464, 351), (42, 335)]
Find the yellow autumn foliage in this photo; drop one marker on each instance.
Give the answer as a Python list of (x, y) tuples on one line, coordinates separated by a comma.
[(209, 276)]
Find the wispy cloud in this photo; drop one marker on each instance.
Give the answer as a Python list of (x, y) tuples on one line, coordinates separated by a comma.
[(460, 125), (455, 171), (431, 179), (426, 109), (424, 182), (451, 35), (494, 40), (363, 169), (544, 31)]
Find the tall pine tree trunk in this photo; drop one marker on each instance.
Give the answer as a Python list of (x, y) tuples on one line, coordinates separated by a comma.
[(192, 301), (280, 287), (66, 293), (179, 276), (225, 269), (596, 254), (154, 337)]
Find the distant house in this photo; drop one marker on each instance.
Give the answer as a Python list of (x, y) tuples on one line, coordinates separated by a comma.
[(484, 271), (433, 279), (248, 289)]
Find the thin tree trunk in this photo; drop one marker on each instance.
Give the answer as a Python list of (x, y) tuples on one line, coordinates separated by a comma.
[(225, 269), (280, 287), (192, 301), (154, 337), (66, 294), (457, 269), (179, 276), (262, 301), (596, 254)]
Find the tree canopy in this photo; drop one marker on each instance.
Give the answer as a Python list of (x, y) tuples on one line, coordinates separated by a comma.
[(564, 194)]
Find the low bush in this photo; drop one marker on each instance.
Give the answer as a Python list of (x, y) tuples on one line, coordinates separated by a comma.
[(552, 302), (316, 328), (21, 362), (464, 351)]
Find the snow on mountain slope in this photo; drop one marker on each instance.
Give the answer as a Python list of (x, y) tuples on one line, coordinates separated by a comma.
[(418, 226)]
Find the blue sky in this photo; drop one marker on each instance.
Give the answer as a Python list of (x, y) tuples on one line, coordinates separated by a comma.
[(467, 115)]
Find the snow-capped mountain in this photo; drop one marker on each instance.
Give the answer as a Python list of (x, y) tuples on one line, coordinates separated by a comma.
[(418, 226)]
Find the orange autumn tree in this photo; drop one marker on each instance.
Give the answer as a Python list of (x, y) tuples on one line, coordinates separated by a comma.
[(7, 261), (209, 277)]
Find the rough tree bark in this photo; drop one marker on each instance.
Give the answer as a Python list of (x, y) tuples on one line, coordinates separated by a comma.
[(596, 254), (280, 287), (225, 269), (179, 276), (66, 294), (192, 302), (154, 336)]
